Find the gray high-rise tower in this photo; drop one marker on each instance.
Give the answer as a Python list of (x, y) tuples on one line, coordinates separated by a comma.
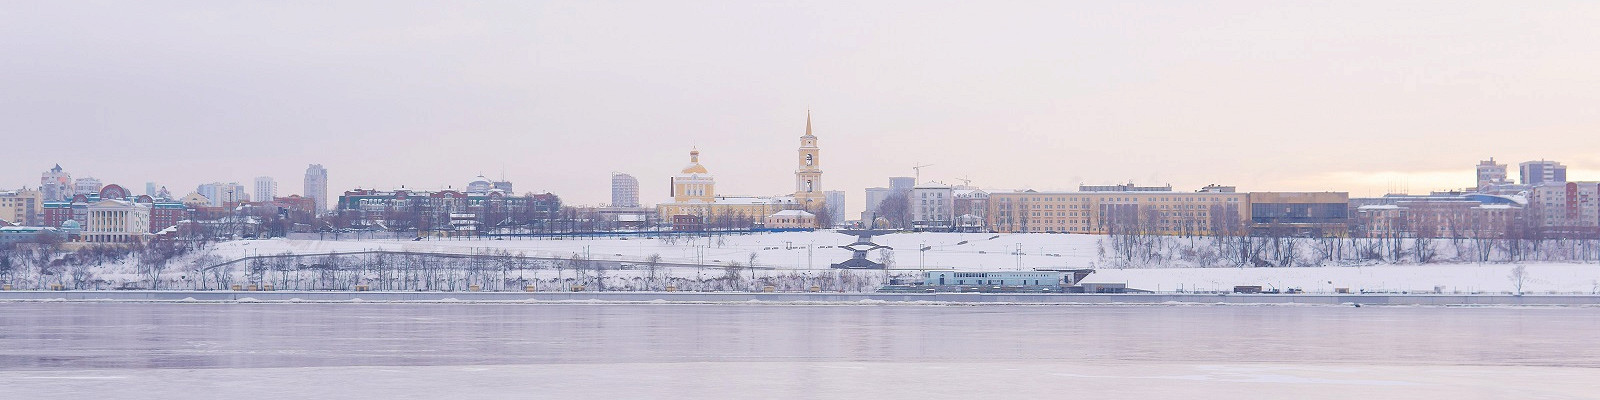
[(624, 190), (266, 189), (317, 186)]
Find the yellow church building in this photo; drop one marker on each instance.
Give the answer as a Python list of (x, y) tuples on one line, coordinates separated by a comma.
[(694, 192)]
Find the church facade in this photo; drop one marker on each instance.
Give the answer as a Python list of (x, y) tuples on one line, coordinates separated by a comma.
[(694, 194)]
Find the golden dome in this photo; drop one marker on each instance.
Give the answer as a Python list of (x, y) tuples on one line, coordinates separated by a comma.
[(694, 164)]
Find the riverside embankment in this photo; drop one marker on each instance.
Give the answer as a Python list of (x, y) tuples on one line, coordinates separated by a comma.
[(732, 297)]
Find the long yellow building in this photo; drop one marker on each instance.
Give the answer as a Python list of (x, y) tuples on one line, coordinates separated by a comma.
[(1102, 209)]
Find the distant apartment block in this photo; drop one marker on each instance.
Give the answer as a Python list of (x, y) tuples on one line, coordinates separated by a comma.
[(56, 184), (223, 194), (22, 207), (266, 189), (316, 187), (1541, 172), (445, 212), (1490, 173), (1567, 207), (624, 190), (932, 207), (834, 199), (87, 185)]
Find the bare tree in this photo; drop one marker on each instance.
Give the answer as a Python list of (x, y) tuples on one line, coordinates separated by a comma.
[(896, 208), (8, 263), (825, 216), (1519, 276), (196, 268), (752, 265), (730, 272), (652, 266)]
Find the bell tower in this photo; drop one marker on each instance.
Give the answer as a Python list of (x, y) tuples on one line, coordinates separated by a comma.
[(808, 177)]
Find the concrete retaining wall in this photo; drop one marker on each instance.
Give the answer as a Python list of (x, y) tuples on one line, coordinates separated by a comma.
[(696, 297)]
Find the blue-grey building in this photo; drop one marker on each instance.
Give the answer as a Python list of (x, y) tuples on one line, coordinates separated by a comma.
[(24, 233), (1002, 278)]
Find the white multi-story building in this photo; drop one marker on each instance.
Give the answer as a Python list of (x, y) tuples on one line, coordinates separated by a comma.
[(222, 194), (266, 189), (86, 185), (316, 187), (624, 190), (932, 207), (117, 221)]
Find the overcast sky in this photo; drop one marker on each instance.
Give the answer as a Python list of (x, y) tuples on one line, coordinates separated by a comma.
[(1365, 97)]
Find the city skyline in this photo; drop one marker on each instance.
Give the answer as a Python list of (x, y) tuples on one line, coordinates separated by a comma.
[(1366, 98), (858, 205)]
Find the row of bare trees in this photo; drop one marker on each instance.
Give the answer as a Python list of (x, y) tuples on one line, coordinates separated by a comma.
[(1141, 237), (167, 265), (46, 262)]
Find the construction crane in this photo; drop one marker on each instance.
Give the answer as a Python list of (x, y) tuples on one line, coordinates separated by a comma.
[(918, 169)]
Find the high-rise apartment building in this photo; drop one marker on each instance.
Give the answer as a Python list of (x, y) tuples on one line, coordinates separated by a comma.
[(1490, 173), (624, 190), (55, 184), (222, 194), (1541, 172), (266, 189), (316, 187)]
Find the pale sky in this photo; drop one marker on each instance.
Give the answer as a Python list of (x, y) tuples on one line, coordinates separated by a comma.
[(1365, 97)]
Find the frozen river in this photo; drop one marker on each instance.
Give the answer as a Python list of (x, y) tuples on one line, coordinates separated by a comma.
[(151, 350)]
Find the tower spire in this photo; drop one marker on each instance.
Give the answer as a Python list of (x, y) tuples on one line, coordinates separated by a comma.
[(808, 122)]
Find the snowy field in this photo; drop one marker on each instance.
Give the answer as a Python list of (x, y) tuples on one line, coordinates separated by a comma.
[(803, 251)]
